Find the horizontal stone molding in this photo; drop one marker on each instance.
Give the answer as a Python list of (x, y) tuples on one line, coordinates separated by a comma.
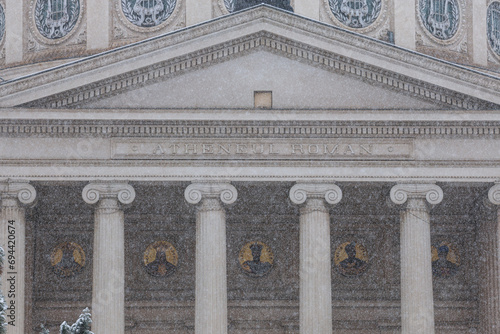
[(20, 189), (301, 192), (95, 191), (195, 192), (431, 192), (244, 129), (258, 41)]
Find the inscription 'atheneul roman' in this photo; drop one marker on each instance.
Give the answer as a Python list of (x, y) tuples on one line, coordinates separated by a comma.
[(292, 149)]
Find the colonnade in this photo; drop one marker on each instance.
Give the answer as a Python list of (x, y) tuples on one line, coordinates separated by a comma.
[(314, 199)]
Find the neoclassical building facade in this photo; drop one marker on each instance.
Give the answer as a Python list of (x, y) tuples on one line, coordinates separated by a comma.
[(184, 166)]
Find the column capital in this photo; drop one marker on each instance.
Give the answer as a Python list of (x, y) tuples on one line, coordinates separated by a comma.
[(301, 192), (195, 192), (429, 191), (19, 189), (494, 194), (95, 191)]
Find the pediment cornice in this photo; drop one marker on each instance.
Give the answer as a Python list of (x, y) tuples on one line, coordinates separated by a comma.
[(262, 28)]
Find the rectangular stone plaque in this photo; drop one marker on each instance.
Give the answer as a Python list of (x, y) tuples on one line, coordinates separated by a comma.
[(261, 149)]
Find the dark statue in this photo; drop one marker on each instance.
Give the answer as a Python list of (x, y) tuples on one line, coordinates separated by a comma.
[(242, 4)]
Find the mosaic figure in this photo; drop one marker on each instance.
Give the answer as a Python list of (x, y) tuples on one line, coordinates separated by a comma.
[(56, 18), (256, 259), (67, 259), (445, 260), (148, 13), (440, 17), (356, 13), (351, 259), (2, 23), (493, 21), (160, 259)]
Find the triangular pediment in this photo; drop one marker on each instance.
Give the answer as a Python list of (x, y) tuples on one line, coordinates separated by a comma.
[(221, 63)]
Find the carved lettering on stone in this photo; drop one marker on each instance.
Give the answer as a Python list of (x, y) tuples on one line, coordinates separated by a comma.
[(258, 149)]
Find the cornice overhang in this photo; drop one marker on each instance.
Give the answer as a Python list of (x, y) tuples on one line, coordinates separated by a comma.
[(259, 28)]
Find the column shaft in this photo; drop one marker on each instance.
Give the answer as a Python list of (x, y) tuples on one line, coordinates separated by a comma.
[(315, 269), (108, 293), (489, 237), (417, 306), (211, 281), (12, 240)]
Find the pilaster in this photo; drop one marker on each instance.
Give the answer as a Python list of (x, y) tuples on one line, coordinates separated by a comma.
[(14, 27), (315, 259), (14, 195), (108, 290), (479, 27), (417, 304), (198, 11), (405, 21), (307, 8), (98, 24), (211, 281)]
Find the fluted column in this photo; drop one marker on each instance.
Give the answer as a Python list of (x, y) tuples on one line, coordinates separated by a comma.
[(211, 281), (417, 304), (14, 195), (108, 293), (490, 254), (315, 259)]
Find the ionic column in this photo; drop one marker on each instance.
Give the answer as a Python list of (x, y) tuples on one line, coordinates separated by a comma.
[(14, 195), (211, 283), (108, 293), (417, 304), (490, 269), (315, 259)]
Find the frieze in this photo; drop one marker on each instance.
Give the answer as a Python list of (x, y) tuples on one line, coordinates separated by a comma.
[(247, 129), (338, 35), (259, 149)]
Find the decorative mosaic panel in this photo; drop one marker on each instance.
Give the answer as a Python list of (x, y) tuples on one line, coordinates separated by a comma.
[(147, 13), (351, 258), (445, 260), (356, 13), (2, 23), (441, 18), (56, 18), (493, 21), (67, 259), (160, 259), (256, 259)]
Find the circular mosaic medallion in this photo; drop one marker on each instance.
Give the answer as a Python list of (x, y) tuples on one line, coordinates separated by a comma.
[(56, 18), (160, 259), (351, 258), (2, 23), (440, 17), (147, 13), (356, 13), (256, 259), (67, 259), (493, 21), (445, 260)]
